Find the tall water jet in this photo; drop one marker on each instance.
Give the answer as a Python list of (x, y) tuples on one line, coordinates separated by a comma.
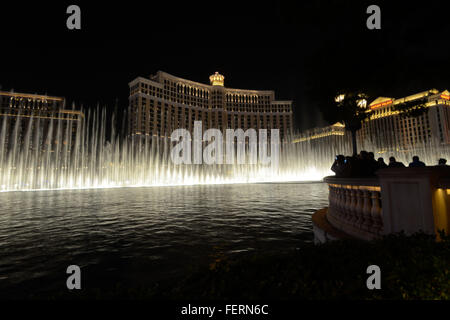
[(76, 154)]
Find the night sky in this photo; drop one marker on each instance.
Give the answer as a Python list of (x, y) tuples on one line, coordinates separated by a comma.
[(304, 50)]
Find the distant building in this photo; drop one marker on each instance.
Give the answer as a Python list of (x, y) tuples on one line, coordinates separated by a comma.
[(323, 143), (36, 120), (163, 103), (321, 133), (387, 130)]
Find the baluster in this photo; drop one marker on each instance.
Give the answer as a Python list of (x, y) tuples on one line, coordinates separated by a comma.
[(335, 201), (347, 206), (359, 209), (367, 207), (356, 211), (331, 200), (376, 213), (339, 205), (353, 205), (344, 205)]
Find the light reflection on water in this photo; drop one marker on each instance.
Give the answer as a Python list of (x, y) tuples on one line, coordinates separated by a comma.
[(166, 228)]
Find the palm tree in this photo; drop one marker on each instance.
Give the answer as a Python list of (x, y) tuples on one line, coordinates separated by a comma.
[(352, 111)]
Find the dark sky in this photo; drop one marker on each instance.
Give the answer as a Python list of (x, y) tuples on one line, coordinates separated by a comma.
[(304, 50)]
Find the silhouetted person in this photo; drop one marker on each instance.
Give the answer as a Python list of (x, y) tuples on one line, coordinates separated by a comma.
[(381, 163), (373, 164), (363, 165), (349, 166), (338, 166), (356, 165), (394, 164), (416, 163), (442, 162)]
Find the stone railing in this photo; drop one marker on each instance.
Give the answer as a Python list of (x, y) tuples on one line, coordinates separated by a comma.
[(355, 206), (405, 200)]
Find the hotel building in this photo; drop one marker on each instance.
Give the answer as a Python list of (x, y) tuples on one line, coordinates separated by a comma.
[(163, 103), (387, 130), (388, 133), (22, 112), (335, 131), (323, 142)]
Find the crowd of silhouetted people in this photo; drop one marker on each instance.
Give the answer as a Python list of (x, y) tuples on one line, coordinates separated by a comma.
[(364, 164)]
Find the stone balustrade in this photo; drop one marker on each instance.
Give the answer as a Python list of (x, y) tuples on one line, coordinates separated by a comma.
[(405, 200), (355, 206)]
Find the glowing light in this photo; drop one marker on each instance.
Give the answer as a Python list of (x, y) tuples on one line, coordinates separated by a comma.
[(362, 103), (381, 104), (337, 129), (339, 98), (217, 79), (30, 96)]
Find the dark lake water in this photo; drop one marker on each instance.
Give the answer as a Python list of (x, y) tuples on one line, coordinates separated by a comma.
[(152, 233)]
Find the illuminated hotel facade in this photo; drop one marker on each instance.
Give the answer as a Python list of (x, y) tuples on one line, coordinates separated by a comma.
[(23, 114), (387, 130), (163, 103), (334, 131)]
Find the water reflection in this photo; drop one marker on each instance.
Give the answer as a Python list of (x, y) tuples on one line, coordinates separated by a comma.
[(167, 229)]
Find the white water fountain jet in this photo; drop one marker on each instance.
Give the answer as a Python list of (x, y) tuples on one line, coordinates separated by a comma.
[(52, 156)]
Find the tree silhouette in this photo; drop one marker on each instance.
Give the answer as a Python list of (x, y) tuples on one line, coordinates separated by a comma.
[(352, 110)]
